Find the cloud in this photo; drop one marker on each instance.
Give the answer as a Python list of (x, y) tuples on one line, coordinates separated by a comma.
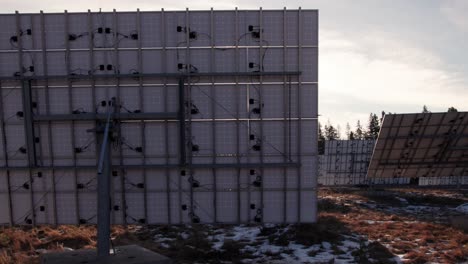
[(377, 71), (456, 12)]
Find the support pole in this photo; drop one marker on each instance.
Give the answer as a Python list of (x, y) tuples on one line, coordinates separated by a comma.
[(103, 180), (28, 122), (183, 160)]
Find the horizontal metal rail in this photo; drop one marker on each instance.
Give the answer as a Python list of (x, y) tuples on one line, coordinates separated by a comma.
[(460, 164), (149, 75), (102, 116), (162, 166)]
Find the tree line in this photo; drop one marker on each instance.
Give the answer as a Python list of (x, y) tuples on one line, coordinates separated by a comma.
[(371, 131)]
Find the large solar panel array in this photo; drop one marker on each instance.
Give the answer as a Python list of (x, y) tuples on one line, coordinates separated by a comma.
[(215, 115), (421, 145)]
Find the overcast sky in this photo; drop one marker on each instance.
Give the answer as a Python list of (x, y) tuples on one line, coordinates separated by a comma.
[(394, 55)]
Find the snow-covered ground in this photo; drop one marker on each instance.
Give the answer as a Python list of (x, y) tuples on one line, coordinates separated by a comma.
[(273, 244), (355, 226)]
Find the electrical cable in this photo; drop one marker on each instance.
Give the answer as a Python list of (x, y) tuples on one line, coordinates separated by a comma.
[(9, 92), (234, 116), (30, 211)]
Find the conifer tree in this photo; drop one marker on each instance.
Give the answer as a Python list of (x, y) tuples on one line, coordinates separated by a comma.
[(331, 133), (359, 134), (373, 127), (425, 110), (452, 109)]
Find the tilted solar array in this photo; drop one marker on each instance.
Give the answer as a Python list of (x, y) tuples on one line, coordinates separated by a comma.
[(214, 115), (421, 145)]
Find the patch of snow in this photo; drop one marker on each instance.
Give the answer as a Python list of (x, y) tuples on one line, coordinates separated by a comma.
[(164, 245), (160, 238), (262, 251), (399, 258), (237, 233), (218, 245), (300, 254), (267, 248), (402, 200), (462, 208), (184, 235), (351, 244), (421, 208), (41, 250), (245, 233), (326, 245), (324, 257)]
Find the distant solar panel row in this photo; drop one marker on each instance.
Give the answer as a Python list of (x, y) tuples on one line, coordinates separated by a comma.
[(421, 145), (345, 162)]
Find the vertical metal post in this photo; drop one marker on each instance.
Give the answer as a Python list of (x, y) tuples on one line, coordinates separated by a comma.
[(116, 63), (166, 123), (188, 140), (213, 117), (237, 100), (183, 161), (68, 58), (30, 138), (285, 122), (5, 154), (103, 180), (47, 110), (299, 116), (28, 122), (260, 106), (141, 106)]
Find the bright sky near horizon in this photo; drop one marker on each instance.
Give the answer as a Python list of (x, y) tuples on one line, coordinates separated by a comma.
[(393, 56)]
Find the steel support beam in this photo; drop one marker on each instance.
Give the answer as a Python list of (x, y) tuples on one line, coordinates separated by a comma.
[(103, 117), (103, 188), (28, 123), (149, 75), (181, 115), (164, 166), (460, 164)]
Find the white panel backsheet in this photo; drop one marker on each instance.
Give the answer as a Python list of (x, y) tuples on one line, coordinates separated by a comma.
[(251, 138), (345, 162)]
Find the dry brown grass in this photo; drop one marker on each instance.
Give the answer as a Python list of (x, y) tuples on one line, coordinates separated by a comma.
[(24, 244), (416, 257), (420, 242)]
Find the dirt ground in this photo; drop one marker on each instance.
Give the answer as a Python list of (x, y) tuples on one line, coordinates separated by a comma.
[(354, 226)]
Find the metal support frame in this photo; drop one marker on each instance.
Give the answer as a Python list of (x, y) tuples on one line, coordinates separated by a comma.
[(103, 117), (103, 180), (5, 154), (28, 123), (182, 116), (168, 166), (149, 75)]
